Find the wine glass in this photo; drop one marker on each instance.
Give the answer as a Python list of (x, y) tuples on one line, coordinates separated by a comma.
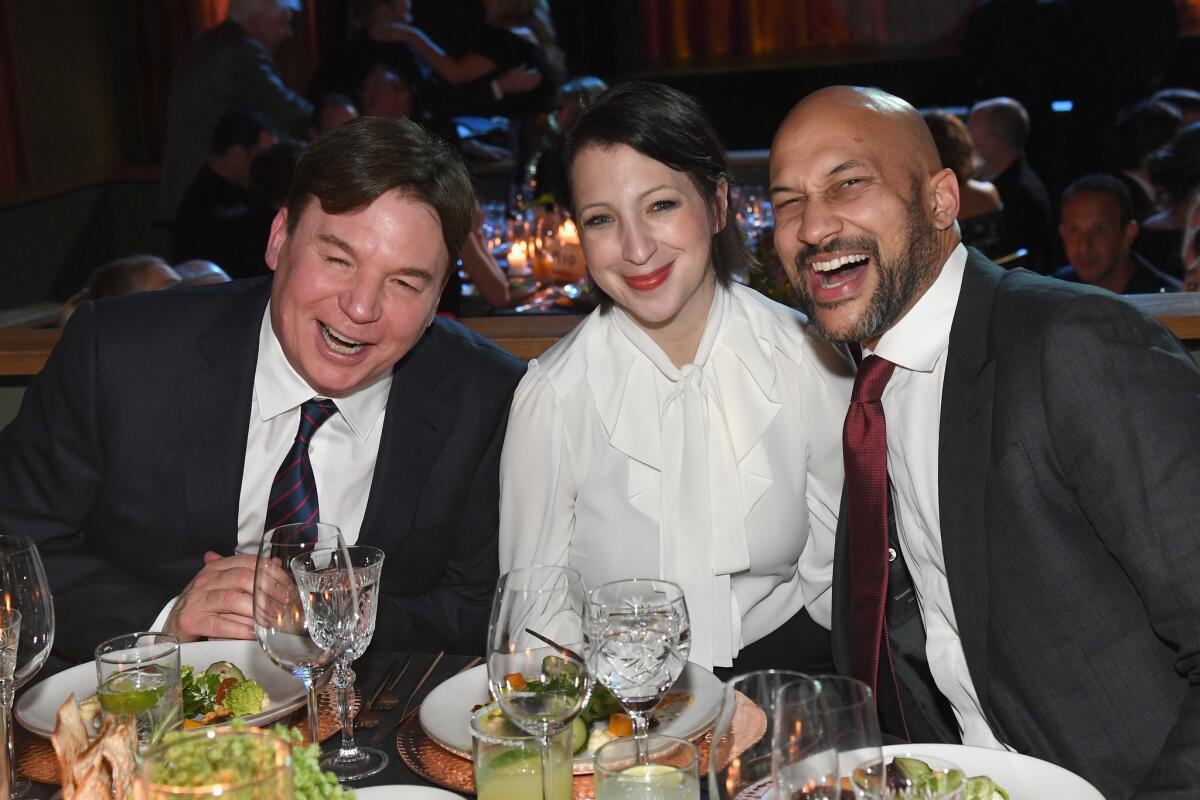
[(910, 777), (637, 639), (280, 623), (749, 772), (534, 668), (340, 592), (819, 718), (24, 588)]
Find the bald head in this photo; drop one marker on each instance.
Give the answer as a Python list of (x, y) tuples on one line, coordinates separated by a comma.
[(865, 212), (865, 114)]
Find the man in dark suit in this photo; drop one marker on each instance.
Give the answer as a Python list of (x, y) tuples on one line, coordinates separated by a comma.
[(149, 455), (1025, 448)]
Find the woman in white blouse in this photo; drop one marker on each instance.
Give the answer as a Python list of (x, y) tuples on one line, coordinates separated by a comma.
[(689, 428)]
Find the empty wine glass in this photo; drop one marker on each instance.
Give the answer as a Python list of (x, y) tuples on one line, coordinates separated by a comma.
[(340, 592), (534, 668), (748, 773), (280, 624), (818, 718), (24, 588), (637, 639)]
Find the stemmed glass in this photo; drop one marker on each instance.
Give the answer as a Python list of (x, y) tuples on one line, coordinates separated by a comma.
[(637, 640), (534, 668), (824, 727), (747, 774), (340, 592), (24, 588), (280, 623)]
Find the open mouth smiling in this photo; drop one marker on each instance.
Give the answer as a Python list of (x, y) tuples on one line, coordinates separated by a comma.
[(338, 342), (830, 273)]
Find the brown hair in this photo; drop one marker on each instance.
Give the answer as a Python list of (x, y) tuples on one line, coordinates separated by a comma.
[(351, 166), (953, 143), (670, 127)]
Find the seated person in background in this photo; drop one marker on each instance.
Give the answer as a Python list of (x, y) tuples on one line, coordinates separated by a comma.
[(219, 196), (1097, 231), (999, 129), (385, 93), (1186, 101), (980, 218), (247, 234), (491, 282), (330, 111), (1139, 131), (1174, 170), (144, 454), (573, 98), (681, 431), (198, 272), (129, 275)]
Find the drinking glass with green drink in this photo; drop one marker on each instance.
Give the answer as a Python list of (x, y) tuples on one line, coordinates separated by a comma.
[(655, 767), (508, 760), (138, 675)]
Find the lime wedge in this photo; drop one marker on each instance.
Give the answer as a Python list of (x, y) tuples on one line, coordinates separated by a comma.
[(653, 773)]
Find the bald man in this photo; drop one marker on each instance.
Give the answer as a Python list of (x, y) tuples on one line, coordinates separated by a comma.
[(1021, 454)]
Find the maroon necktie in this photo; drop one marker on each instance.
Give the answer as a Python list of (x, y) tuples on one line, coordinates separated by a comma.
[(864, 448), (293, 496)]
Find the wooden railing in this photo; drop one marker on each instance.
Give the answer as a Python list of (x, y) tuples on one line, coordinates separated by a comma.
[(23, 351)]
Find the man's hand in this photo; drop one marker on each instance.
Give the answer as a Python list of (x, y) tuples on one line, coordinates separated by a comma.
[(218, 603), (517, 80)]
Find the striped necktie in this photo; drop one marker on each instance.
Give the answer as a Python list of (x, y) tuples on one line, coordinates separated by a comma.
[(294, 491)]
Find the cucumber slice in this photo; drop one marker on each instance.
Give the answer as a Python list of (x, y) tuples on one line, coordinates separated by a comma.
[(224, 669), (579, 735)]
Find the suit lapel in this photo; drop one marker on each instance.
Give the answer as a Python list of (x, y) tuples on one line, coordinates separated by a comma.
[(963, 461), (214, 406), (415, 428)]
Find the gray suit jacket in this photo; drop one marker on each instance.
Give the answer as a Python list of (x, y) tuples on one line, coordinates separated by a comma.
[(224, 68), (1069, 484)]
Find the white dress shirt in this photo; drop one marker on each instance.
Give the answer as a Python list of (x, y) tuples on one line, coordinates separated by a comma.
[(342, 451), (912, 404), (724, 476)]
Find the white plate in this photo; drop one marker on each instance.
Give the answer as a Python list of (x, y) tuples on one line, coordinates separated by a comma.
[(398, 792), (1023, 777), (38, 707), (446, 713)]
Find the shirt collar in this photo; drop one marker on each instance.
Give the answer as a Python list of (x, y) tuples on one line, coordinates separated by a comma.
[(279, 389), (920, 337)]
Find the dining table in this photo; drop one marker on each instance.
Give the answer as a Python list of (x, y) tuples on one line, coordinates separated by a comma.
[(373, 667)]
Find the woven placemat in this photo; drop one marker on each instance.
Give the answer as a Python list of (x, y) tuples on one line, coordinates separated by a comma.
[(438, 765), (36, 759)]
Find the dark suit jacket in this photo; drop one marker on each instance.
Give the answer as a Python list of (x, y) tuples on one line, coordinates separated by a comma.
[(125, 464), (1028, 219), (1069, 461)]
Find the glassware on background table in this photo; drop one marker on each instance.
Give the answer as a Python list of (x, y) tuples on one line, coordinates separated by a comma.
[(340, 592), (138, 675), (637, 637), (654, 768), (729, 777), (265, 758), (508, 764), (280, 622), (24, 588), (534, 668), (817, 717), (942, 781)]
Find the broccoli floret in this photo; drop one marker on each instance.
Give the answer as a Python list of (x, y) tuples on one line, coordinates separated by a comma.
[(243, 698)]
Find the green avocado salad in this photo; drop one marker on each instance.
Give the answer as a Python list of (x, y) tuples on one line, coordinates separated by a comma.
[(219, 692)]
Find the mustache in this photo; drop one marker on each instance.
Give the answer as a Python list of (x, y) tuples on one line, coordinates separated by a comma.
[(809, 252)]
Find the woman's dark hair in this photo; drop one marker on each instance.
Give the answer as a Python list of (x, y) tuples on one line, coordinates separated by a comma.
[(351, 166), (670, 127), (954, 145), (1175, 168)]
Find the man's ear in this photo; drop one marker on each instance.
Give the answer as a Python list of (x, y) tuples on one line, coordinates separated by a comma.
[(944, 191), (1131, 232), (721, 205), (277, 239)]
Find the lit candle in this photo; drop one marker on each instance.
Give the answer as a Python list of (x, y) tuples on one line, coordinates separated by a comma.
[(518, 259), (570, 265)]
